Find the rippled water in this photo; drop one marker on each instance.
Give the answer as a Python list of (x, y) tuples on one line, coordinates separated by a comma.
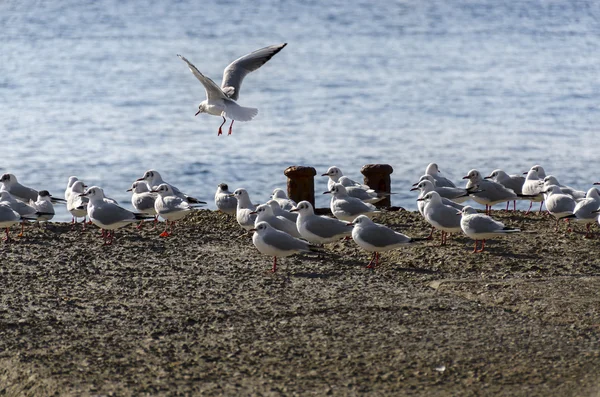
[(96, 90)]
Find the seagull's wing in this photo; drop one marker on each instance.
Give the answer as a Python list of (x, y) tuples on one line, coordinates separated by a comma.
[(213, 91), (238, 69), (382, 236)]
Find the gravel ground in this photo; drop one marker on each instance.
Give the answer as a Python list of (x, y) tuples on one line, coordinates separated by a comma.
[(199, 313)]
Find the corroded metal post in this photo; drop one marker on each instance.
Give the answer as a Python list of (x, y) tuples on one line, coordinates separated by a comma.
[(377, 177), (301, 183)]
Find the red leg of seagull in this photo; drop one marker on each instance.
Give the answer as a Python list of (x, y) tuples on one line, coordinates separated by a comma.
[(274, 269), (482, 245), (529, 209), (514, 205), (220, 130), (370, 265), (140, 225), (230, 125), (7, 238), (165, 233), (22, 229), (443, 238), (542, 203), (507, 203), (155, 222), (431, 234), (587, 231), (569, 230), (475, 249)]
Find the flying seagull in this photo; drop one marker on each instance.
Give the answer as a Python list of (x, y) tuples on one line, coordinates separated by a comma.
[(221, 101)]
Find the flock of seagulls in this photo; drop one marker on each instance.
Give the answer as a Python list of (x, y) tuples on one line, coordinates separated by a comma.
[(283, 227)]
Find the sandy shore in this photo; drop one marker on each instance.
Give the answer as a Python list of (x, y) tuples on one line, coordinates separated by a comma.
[(199, 313)]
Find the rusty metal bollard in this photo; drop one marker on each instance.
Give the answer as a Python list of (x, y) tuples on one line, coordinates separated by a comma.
[(301, 183), (377, 177)]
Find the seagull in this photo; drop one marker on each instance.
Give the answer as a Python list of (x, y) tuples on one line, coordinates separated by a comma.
[(559, 204), (490, 192), (481, 227), (243, 213), (43, 205), (550, 180), (221, 101), (367, 195), (282, 199), (23, 209), (76, 203), (278, 211), (72, 180), (455, 194), (108, 215), (440, 216), (584, 210), (335, 173), (319, 229), (512, 182), (9, 217), (376, 238), (169, 206), (143, 200), (153, 179), (275, 243), (224, 201), (264, 213), (440, 181), (533, 187), (347, 208), (18, 191)]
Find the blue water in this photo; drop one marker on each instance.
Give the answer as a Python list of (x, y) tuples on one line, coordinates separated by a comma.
[(95, 89)]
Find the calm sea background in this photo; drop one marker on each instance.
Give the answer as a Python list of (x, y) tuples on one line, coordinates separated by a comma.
[(95, 89)]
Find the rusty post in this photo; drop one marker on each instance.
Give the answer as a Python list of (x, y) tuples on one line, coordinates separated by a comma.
[(377, 177), (301, 183)]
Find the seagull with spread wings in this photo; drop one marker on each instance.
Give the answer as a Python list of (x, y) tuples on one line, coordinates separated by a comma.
[(221, 101)]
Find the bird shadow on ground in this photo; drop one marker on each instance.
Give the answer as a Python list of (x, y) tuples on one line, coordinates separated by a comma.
[(312, 275)]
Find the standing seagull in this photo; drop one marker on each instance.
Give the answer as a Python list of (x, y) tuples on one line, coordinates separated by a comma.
[(221, 101), (481, 227), (224, 200)]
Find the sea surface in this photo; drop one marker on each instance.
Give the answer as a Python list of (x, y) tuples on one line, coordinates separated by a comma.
[(95, 89)]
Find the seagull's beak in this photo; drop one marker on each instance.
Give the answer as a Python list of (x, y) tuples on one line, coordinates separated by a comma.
[(414, 188), (140, 179), (324, 174), (487, 177), (129, 190), (231, 195), (253, 213), (252, 230), (459, 213), (198, 112), (153, 191), (294, 209), (415, 184), (421, 199), (596, 183), (327, 192), (596, 211), (350, 224), (83, 194), (465, 177), (525, 173)]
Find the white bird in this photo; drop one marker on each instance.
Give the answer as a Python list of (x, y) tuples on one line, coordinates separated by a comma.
[(376, 238), (489, 192), (23, 209), (347, 208), (264, 213), (76, 203), (18, 191), (72, 180), (108, 215), (43, 205), (221, 101), (363, 193), (319, 229), (143, 200), (224, 200), (559, 204), (481, 227), (440, 181), (450, 195), (282, 199), (533, 187), (584, 211), (170, 207), (335, 173), (153, 179), (512, 182), (440, 216), (275, 243), (278, 211), (244, 210), (550, 180), (9, 217)]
